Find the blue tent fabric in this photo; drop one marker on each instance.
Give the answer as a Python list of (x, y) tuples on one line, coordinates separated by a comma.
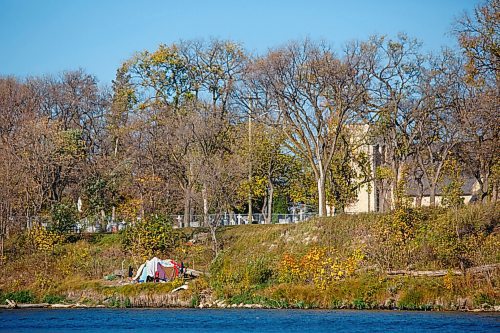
[(144, 275)]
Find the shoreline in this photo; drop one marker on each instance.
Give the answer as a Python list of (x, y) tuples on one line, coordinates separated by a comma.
[(220, 305)]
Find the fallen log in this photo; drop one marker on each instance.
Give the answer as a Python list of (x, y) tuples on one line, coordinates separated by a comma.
[(14, 305), (483, 269), (437, 273), (32, 306), (443, 272), (195, 273), (62, 306)]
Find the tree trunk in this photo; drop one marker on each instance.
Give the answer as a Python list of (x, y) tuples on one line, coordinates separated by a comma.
[(485, 188), (396, 181), (187, 207), (215, 243), (205, 205), (321, 194), (270, 204), (250, 213), (432, 195), (142, 206), (394, 189), (418, 200), (116, 146), (3, 219), (494, 193)]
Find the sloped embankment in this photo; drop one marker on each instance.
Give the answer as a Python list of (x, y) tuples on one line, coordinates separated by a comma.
[(349, 261)]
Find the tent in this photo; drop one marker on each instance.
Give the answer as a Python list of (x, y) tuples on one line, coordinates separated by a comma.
[(162, 270)]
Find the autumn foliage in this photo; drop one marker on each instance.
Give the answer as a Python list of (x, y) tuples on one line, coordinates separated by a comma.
[(319, 266)]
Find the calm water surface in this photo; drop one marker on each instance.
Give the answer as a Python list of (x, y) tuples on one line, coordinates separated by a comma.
[(238, 320)]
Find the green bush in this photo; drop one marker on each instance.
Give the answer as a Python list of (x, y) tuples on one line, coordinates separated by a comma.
[(53, 299), (258, 272), (63, 216), (195, 300), (482, 298), (246, 297), (411, 300), (23, 296), (336, 304), (127, 303), (360, 304), (154, 236), (459, 236)]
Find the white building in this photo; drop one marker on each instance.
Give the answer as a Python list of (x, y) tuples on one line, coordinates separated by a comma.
[(371, 195)]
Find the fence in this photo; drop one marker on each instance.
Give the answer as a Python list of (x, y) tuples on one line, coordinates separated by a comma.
[(228, 219), (102, 225)]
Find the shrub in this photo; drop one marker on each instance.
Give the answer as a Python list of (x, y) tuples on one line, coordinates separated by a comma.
[(319, 266), (43, 239), (459, 237), (152, 236), (53, 299), (63, 216), (359, 304), (482, 298), (411, 300), (195, 300), (394, 237), (23, 296)]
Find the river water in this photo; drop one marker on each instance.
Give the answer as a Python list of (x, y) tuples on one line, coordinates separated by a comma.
[(242, 320)]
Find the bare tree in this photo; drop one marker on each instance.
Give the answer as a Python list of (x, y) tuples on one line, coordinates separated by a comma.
[(315, 95), (436, 118), (395, 67), (478, 149), (478, 36)]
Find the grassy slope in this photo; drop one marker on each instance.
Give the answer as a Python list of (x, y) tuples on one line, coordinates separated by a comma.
[(248, 268)]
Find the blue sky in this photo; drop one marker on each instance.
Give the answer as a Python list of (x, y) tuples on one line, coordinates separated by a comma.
[(48, 36)]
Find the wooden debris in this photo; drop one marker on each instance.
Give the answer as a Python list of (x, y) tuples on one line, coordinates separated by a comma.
[(195, 273), (443, 272), (183, 287)]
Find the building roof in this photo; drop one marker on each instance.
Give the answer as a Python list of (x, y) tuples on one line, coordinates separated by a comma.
[(413, 189)]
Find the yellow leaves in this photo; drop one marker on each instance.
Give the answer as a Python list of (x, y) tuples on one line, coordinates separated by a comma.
[(319, 266), (74, 259), (153, 236), (448, 280), (384, 173), (159, 56), (148, 179), (130, 209), (43, 239), (69, 145)]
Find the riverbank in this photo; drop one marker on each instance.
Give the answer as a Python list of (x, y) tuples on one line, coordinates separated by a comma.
[(222, 304), (361, 292), (429, 259)]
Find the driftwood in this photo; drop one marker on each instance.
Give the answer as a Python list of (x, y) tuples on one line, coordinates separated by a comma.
[(31, 306), (14, 305), (183, 287), (195, 273), (62, 306), (443, 272)]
